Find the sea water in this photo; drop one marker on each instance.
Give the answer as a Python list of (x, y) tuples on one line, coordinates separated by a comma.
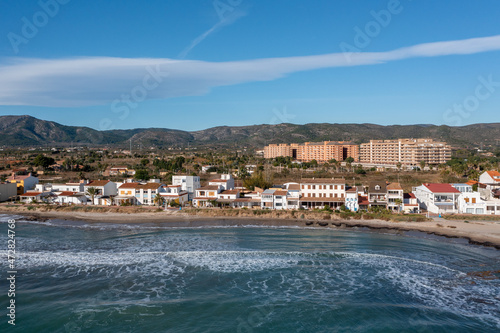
[(81, 277)]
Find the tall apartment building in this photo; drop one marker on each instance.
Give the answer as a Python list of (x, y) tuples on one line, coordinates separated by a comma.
[(404, 151), (319, 151)]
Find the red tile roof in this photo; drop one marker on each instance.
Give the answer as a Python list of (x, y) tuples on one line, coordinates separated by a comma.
[(363, 201), (441, 188), (152, 186), (97, 183), (208, 188), (31, 194), (66, 193), (230, 192), (278, 192), (495, 175)]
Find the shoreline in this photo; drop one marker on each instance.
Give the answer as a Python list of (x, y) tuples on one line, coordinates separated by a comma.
[(486, 233)]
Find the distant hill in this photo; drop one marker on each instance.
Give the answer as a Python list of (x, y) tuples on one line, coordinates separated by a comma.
[(30, 131)]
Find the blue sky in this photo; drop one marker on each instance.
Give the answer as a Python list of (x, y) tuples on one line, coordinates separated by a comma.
[(196, 64)]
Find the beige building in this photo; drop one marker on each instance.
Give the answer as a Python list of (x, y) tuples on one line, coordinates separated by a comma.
[(319, 151), (404, 151), (318, 192)]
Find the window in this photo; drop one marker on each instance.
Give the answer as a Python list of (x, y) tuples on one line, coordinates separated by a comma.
[(377, 187), (335, 186), (473, 200), (278, 204), (314, 187)]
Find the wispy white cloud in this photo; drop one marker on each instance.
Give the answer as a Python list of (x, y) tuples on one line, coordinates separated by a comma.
[(100, 80)]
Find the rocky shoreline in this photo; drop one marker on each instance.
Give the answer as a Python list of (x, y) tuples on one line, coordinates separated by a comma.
[(486, 233)]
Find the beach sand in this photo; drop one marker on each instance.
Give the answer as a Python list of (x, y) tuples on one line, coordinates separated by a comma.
[(477, 232)]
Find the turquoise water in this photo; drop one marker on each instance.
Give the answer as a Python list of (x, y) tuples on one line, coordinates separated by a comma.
[(74, 277)]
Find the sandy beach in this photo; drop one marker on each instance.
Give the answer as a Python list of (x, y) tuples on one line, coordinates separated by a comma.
[(477, 232)]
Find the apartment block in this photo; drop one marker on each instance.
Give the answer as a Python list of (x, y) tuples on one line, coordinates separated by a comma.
[(318, 192), (404, 151), (319, 151)]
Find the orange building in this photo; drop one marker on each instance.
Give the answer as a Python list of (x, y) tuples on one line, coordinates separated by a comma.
[(319, 151)]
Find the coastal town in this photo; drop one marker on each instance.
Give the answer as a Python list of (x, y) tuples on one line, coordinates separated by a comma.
[(306, 187)]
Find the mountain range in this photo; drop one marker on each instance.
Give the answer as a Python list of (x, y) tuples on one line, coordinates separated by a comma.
[(30, 131)]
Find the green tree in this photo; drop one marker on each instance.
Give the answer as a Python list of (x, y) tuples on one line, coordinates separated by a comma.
[(398, 202), (92, 192), (158, 200), (422, 165), (142, 174), (43, 161), (144, 161)]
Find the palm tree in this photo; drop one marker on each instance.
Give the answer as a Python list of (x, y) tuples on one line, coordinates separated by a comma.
[(92, 191), (159, 200), (398, 202)]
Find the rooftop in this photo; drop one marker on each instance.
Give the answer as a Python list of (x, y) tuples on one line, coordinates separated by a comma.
[(97, 183), (394, 186), (322, 181), (208, 188), (440, 188)]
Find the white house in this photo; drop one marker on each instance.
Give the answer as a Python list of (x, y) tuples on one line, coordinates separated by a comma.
[(471, 203), (204, 196), (31, 196), (274, 199), (174, 193), (410, 203), (352, 199), (249, 199), (103, 187), (437, 198), (321, 192), (491, 177), (489, 181), (228, 197), (394, 197), (226, 181), (67, 187), (293, 196), (138, 193), (70, 197), (188, 183)]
